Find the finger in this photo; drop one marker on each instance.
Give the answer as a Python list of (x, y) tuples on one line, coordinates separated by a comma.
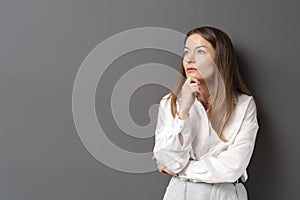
[(196, 92), (194, 84), (194, 80), (197, 83), (161, 169), (164, 171), (169, 172), (195, 88), (188, 80), (198, 96)]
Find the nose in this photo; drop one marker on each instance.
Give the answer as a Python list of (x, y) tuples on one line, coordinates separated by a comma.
[(191, 59)]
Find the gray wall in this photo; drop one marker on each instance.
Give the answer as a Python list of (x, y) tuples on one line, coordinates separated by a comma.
[(43, 44)]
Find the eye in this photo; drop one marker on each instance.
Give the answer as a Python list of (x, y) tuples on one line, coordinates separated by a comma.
[(200, 51), (186, 53)]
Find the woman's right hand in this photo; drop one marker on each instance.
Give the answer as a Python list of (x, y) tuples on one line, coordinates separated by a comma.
[(189, 91), (162, 169)]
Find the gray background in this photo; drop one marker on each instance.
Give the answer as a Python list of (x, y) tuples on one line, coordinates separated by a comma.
[(42, 46)]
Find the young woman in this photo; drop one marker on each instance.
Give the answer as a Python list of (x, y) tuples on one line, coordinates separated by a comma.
[(207, 126)]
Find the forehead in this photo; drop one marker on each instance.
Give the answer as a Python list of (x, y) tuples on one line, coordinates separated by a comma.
[(195, 40)]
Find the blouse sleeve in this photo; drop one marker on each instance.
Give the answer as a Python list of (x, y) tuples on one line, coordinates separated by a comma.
[(228, 163), (168, 150)]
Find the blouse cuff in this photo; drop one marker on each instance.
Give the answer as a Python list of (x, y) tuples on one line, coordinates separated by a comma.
[(181, 124)]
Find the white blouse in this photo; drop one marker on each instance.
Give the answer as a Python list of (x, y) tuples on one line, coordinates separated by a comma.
[(203, 157)]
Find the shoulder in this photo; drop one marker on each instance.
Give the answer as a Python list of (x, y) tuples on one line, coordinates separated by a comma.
[(246, 104), (166, 99), (244, 99), (243, 115), (165, 102)]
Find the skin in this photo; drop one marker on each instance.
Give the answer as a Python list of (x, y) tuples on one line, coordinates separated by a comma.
[(199, 54)]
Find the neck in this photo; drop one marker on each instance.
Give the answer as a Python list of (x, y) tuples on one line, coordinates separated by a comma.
[(204, 98)]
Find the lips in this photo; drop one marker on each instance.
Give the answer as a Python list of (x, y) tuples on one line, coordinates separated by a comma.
[(191, 69)]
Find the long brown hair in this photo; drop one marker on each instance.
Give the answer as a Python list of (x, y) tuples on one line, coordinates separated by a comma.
[(226, 63)]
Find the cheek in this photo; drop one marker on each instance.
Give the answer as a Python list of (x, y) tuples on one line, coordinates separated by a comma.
[(207, 68), (207, 71), (185, 63)]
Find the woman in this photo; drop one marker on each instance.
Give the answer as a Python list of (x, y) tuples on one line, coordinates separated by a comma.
[(206, 127)]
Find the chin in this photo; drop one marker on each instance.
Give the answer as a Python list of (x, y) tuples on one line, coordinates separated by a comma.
[(194, 75)]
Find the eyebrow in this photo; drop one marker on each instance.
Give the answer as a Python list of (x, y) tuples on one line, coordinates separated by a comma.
[(197, 47)]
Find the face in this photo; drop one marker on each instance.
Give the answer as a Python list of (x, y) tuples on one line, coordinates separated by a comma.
[(199, 58)]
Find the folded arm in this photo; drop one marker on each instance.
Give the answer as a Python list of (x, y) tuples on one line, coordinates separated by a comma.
[(228, 162), (173, 139)]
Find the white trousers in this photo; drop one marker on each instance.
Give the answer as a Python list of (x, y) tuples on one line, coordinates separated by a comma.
[(186, 190)]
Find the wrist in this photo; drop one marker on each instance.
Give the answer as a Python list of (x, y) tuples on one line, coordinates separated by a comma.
[(182, 115)]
